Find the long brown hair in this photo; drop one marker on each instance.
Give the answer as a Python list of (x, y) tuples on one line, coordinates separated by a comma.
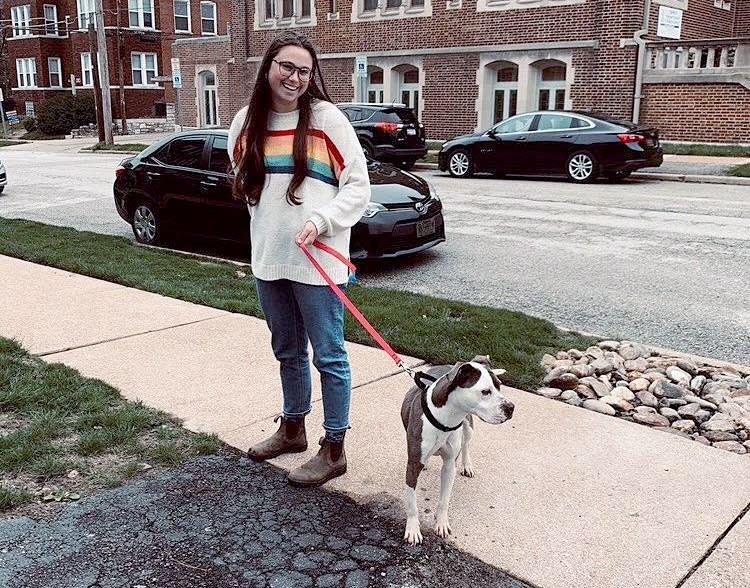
[(250, 176)]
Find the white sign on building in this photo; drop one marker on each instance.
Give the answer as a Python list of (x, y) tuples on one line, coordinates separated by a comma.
[(670, 23)]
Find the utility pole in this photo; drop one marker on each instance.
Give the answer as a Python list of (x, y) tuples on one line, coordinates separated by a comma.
[(104, 73), (95, 80), (121, 75)]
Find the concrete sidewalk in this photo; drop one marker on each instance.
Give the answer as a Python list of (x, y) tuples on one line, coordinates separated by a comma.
[(563, 497)]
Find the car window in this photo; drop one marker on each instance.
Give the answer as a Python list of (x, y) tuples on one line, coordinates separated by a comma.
[(517, 124), (556, 122), (219, 162), (391, 116), (185, 152), (347, 113)]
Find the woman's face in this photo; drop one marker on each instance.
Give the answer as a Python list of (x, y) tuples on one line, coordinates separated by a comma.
[(286, 87)]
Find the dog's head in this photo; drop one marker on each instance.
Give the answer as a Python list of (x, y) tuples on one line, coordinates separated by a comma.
[(474, 387)]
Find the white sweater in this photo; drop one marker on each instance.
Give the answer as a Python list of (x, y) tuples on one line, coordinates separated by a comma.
[(334, 194)]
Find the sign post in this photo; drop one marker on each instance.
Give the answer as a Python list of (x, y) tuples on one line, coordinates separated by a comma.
[(177, 84), (360, 73)]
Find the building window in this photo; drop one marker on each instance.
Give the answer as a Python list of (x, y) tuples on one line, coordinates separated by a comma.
[(86, 13), (20, 17), (208, 18), (182, 16), (87, 70), (368, 10), (144, 68), (375, 89), (141, 14), (50, 19), (409, 87), (505, 92), (551, 88), (485, 5), (284, 13), (26, 72), (54, 65)]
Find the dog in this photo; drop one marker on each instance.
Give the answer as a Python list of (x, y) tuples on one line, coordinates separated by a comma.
[(438, 421)]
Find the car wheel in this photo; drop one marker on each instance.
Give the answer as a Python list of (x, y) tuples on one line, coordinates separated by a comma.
[(367, 147), (460, 164), (618, 176), (582, 167), (1, 189), (145, 223)]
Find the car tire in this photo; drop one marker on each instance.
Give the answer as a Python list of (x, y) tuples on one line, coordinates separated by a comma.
[(367, 147), (460, 164), (582, 167), (145, 223), (1, 189), (618, 176)]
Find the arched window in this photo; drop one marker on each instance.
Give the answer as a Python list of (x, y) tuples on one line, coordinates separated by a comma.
[(375, 87), (551, 86), (505, 90), (207, 95)]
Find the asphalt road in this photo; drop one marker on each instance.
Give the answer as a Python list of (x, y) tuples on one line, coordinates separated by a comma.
[(663, 263)]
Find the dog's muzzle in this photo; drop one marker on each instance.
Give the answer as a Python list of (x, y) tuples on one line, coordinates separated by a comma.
[(503, 413)]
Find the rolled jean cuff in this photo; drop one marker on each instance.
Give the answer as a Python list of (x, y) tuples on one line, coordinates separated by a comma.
[(296, 415)]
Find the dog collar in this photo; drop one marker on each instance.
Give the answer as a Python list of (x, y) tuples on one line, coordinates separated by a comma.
[(431, 417)]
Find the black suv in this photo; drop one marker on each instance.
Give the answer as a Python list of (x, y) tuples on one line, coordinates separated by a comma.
[(387, 132)]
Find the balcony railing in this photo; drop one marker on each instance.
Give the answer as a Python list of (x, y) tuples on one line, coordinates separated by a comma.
[(703, 55)]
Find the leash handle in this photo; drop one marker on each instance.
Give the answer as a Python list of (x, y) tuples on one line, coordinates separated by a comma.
[(343, 297)]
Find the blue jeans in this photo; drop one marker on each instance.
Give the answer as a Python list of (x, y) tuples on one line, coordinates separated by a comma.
[(295, 312)]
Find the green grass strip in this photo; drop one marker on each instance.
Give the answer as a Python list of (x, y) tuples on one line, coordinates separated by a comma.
[(741, 171), (437, 330), (11, 143), (137, 147)]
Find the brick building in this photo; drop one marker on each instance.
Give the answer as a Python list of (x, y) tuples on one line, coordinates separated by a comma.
[(464, 64), (46, 47)]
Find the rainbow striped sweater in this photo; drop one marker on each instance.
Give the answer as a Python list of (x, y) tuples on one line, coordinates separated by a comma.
[(334, 194)]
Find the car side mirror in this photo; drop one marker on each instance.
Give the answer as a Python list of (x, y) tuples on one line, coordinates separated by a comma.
[(492, 134)]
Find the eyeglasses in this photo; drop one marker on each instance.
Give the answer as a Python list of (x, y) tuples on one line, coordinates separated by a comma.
[(287, 70)]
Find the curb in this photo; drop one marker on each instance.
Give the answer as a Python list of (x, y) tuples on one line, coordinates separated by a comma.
[(696, 179)]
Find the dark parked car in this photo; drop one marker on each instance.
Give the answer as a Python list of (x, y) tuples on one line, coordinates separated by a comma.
[(581, 145), (387, 132), (180, 185)]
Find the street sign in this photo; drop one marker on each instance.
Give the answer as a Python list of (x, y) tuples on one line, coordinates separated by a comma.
[(360, 65), (176, 80), (176, 64), (12, 116)]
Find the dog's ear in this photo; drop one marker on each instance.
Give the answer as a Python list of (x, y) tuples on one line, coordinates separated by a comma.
[(483, 359), (499, 372)]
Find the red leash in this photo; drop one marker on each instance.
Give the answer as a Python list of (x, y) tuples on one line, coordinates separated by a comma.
[(348, 303)]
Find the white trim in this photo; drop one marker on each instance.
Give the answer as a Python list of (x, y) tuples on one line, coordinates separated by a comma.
[(50, 60), (143, 69), (25, 73), (406, 9), (214, 19), (679, 4), (276, 20), (20, 17), (140, 12), (189, 29), (495, 5)]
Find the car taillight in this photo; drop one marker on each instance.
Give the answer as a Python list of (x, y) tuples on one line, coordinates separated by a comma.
[(630, 138), (120, 171), (388, 127)]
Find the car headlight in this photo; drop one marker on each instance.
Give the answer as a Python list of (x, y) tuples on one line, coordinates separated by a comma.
[(433, 191), (373, 208)]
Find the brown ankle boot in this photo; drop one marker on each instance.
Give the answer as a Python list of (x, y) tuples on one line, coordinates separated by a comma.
[(328, 464), (290, 438)]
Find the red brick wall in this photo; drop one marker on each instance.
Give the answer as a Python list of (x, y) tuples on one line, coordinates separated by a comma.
[(687, 112), (449, 95), (741, 18)]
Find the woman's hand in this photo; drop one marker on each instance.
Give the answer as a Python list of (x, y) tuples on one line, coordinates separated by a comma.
[(308, 234)]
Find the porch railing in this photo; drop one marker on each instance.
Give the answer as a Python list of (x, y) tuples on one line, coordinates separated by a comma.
[(709, 56)]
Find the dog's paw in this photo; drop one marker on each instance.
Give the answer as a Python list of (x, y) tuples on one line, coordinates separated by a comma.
[(442, 528), (467, 471), (413, 534)]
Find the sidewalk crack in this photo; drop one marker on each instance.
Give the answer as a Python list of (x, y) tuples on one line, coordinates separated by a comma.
[(713, 547), (104, 341)]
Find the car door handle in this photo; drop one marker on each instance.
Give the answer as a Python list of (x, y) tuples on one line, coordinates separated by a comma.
[(152, 174), (211, 182), (565, 136), (521, 139)]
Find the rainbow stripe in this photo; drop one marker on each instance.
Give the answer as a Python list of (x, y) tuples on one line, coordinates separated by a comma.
[(324, 160)]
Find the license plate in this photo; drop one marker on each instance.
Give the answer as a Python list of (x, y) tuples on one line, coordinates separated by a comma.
[(425, 227), (411, 131)]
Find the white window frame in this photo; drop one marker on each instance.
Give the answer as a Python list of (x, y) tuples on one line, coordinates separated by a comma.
[(140, 8), (214, 19), (142, 68), (375, 10), (26, 72), (86, 12), (176, 16), (51, 21), (276, 17), (58, 61), (21, 20), (87, 70)]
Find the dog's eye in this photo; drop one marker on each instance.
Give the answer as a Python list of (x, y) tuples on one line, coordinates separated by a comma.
[(486, 392)]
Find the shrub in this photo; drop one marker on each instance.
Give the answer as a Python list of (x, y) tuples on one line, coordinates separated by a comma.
[(61, 114), (29, 123)]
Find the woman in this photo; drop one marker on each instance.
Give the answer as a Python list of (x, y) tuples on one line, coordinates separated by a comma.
[(300, 168)]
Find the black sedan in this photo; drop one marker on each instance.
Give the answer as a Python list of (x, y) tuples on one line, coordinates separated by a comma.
[(582, 146), (180, 185)]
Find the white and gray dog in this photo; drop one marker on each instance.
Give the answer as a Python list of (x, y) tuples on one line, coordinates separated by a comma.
[(438, 421)]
